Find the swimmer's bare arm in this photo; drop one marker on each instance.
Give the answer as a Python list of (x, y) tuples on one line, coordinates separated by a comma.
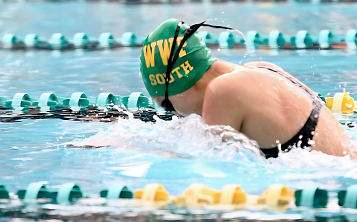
[(220, 103), (243, 100)]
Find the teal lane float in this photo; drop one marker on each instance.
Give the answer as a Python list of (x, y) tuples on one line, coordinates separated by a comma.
[(348, 198), (67, 193), (197, 202), (80, 40), (277, 197), (106, 107), (136, 100), (302, 39), (311, 197), (77, 101)]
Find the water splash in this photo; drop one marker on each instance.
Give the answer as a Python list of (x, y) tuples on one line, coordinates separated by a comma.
[(238, 33), (247, 47), (185, 138), (223, 152)]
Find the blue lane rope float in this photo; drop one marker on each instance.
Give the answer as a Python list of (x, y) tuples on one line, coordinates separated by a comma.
[(67, 194), (117, 191), (351, 39), (33, 192), (276, 40), (325, 39), (108, 105), (31, 40), (302, 40), (80, 40), (311, 197), (348, 198), (47, 100), (21, 100), (79, 107), (105, 99), (106, 40), (130, 39), (34, 41), (276, 197), (226, 40), (209, 39), (137, 100), (78, 99), (10, 41), (253, 39), (4, 194), (58, 41)]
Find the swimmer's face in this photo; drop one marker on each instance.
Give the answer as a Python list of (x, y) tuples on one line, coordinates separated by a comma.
[(185, 103)]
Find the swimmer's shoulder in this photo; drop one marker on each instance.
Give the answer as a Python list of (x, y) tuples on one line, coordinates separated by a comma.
[(262, 64), (222, 97), (241, 81), (229, 98), (252, 66)]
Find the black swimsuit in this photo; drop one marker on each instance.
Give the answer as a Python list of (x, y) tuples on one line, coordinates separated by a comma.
[(302, 138)]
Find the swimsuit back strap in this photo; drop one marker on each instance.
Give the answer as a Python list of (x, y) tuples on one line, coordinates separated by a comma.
[(304, 136)]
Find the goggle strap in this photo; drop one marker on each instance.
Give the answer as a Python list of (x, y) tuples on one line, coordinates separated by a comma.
[(218, 27), (188, 33), (170, 63)]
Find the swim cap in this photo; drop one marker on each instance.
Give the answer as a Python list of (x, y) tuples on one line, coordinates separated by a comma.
[(193, 60)]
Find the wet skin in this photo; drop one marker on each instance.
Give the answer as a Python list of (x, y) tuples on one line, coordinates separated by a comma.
[(260, 103)]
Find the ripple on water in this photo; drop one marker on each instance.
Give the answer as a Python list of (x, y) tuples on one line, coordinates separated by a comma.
[(188, 149)]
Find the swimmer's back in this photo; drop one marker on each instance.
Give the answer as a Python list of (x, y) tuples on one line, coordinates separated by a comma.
[(272, 109), (329, 137)]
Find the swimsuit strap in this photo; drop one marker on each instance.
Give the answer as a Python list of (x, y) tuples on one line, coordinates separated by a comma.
[(293, 80), (302, 138)]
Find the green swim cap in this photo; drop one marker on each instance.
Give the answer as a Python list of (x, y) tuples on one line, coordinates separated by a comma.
[(193, 60)]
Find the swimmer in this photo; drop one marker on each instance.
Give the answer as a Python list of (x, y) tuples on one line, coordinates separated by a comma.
[(259, 99)]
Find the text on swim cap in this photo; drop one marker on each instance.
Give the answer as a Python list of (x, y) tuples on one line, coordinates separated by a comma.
[(164, 50), (160, 78)]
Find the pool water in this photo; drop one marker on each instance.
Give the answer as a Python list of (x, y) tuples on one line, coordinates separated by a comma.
[(175, 153)]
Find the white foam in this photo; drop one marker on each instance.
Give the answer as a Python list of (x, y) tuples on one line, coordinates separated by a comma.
[(185, 137), (191, 138)]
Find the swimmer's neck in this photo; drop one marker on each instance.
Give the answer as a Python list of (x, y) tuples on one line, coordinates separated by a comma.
[(218, 68)]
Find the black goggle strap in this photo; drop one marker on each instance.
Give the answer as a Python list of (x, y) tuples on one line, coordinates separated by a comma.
[(218, 27), (170, 63), (188, 33)]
